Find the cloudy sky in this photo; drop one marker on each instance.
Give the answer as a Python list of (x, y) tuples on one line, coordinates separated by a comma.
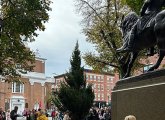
[(57, 42)]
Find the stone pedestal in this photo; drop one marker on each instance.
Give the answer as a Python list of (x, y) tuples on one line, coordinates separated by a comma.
[(142, 96)]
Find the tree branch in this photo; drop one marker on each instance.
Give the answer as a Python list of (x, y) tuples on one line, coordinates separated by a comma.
[(11, 3), (116, 13), (107, 63), (94, 10)]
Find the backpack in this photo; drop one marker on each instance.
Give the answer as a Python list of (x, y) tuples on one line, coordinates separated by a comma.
[(12, 115)]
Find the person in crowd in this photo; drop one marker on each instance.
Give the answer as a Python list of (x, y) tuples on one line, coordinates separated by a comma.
[(57, 115), (26, 113), (130, 117), (8, 114), (107, 114), (42, 116), (13, 114), (32, 115), (35, 114), (95, 115), (90, 115), (53, 114), (101, 112), (38, 112), (61, 115), (2, 114), (46, 113), (66, 116)]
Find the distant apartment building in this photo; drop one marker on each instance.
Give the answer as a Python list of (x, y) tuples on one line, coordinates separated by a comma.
[(32, 93), (149, 62), (102, 85)]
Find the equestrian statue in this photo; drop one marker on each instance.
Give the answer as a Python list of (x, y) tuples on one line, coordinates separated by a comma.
[(144, 32)]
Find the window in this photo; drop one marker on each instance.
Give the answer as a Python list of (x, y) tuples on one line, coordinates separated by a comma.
[(94, 86), (98, 96), (91, 77), (108, 87), (109, 79), (102, 95), (86, 77), (98, 78), (146, 68), (109, 97), (102, 77), (87, 84), (56, 81), (102, 87), (17, 87), (26, 105), (98, 87), (94, 77)]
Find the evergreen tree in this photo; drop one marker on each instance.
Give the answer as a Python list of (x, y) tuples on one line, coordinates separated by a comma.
[(73, 94)]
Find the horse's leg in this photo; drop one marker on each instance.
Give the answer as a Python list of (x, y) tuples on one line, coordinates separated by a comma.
[(124, 63), (130, 65), (161, 56)]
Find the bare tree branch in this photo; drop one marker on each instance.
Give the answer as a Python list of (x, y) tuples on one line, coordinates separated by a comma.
[(107, 63), (94, 10), (116, 13)]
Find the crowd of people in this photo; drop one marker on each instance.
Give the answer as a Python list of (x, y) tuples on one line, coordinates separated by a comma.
[(99, 113), (27, 114), (33, 114), (94, 114)]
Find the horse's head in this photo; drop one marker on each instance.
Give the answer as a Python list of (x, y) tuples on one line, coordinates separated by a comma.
[(127, 23)]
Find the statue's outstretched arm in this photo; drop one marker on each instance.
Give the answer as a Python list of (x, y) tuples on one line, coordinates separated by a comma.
[(144, 7)]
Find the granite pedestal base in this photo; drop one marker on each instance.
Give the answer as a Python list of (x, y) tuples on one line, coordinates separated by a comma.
[(142, 96)]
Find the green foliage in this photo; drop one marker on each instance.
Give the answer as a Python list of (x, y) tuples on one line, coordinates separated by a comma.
[(101, 20), (102, 16), (21, 20), (73, 94), (135, 5)]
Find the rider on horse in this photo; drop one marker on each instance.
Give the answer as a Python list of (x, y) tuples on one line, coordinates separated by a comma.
[(149, 10)]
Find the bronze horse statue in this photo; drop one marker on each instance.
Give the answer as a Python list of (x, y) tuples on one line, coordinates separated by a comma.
[(146, 38)]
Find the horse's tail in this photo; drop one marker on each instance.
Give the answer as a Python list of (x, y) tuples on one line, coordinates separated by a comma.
[(160, 28)]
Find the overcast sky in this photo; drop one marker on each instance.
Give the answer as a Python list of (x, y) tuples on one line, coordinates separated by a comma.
[(57, 42)]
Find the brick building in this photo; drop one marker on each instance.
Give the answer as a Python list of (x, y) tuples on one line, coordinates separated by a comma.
[(102, 85), (32, 93), (149, 62)]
